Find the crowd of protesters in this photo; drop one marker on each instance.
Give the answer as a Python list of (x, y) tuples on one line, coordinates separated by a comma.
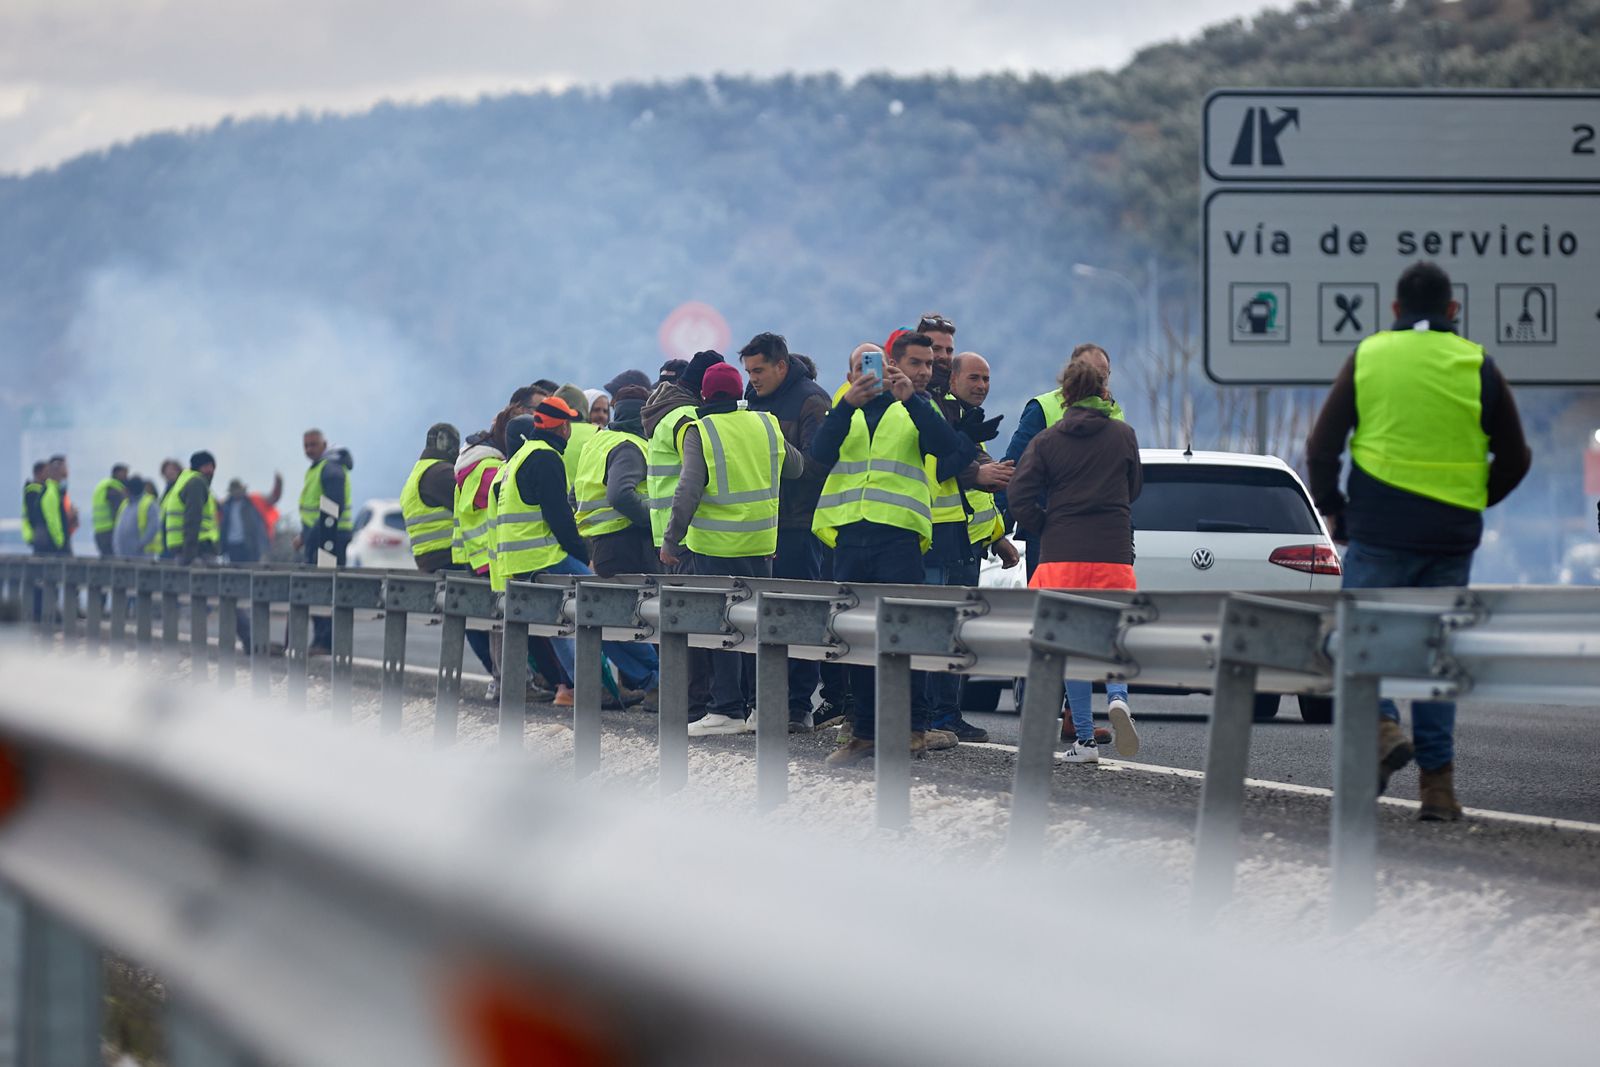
[(701, 469)]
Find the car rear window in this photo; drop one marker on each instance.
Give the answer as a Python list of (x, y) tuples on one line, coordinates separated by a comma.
[(395, 520), (1195, 497)]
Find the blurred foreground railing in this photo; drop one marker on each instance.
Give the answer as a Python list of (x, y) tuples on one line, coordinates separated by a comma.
[(1524, 645)]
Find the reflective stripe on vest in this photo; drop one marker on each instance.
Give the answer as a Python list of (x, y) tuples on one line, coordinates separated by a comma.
[(474, 526), (172, 514), (984, 524), (663, 464), (311, 500), (430, 529), (523, 541), (879, 478), (1419, 416), (596, 517), (948, 505), (105, 520), (738, 514)]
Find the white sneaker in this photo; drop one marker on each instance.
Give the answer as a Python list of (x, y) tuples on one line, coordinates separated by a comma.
[(491, 692), (713, 724), (1123, 733), (1082, 752)]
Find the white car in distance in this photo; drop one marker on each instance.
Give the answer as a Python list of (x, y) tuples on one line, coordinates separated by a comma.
[(379, 539), (1216, 520)]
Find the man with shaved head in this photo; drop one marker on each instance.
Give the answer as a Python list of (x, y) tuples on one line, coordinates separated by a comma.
[(966, 523)]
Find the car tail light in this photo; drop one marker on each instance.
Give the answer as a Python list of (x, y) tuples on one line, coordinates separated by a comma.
[(1311, 559), (387, 540)]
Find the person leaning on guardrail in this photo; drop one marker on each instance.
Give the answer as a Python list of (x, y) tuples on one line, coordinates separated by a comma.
[(1424, 411), (1085, 470), (725, 509), (876, 506), (189, 513)]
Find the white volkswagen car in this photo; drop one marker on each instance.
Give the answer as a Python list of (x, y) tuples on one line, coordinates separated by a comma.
[(379, 539), (1215, 520)]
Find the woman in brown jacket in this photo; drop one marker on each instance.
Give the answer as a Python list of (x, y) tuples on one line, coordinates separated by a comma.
[(1073, 490)]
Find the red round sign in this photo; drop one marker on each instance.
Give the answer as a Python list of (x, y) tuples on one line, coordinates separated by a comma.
[(691, 328)]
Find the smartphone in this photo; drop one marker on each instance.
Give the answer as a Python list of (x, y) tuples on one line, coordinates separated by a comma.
[(872, 363)]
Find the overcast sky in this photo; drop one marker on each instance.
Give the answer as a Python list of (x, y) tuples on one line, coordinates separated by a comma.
[(82, 74)]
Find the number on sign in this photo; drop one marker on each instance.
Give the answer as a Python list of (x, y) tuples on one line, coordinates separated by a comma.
[(1584, 145)]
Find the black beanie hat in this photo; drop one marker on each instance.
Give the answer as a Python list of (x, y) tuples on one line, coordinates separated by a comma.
[(200, 459), (443, 437), (694, 375)]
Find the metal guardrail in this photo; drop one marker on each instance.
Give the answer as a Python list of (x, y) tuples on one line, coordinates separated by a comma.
[(1522, 644)]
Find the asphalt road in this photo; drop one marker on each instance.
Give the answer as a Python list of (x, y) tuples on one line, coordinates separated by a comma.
[(1533, 760)]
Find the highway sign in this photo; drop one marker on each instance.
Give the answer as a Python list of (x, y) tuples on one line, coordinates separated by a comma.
[(1295, 278), (1314, 201), (1392, 136)]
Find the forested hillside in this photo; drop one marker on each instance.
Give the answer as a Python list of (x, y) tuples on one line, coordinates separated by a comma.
[(409, 263)]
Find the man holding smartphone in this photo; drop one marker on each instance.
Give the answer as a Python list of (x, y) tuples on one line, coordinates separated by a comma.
[(876, 506)]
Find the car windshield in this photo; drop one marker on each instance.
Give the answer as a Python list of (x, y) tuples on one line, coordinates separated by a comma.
[(395, 520), (363, 517), (1200, 498)]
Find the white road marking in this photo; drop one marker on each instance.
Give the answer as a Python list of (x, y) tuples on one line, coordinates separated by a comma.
[(1319, 791)]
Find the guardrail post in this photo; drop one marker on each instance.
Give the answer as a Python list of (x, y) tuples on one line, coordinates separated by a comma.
[(1252, 632), (351, 592), (203, 584), (597, 605), (174, 583), (309, 588), (1371, 642), (402, 594), (684, 611), (72, 576), (123, 582), (464, 597), (232, 587), (61, 993), (523, 603), (1063, 625), (906, 628), (96, 577), (782, 620), (266, 589), (148, 579)]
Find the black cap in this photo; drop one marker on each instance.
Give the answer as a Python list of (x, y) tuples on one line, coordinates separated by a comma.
[(694, 374)]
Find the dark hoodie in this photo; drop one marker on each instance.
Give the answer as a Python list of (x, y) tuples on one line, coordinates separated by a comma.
[(799, 405), (1086, 470), (667, 397)]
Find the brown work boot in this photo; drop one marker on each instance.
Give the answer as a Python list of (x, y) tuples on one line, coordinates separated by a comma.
[(849, 755), (1439, 802), (1102, 735), (922, 743), (1394, 751), (934, 740)]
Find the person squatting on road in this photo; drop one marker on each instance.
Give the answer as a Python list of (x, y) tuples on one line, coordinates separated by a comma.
[(1086, 470), (1424, 411), (725, 510), (876, 508)]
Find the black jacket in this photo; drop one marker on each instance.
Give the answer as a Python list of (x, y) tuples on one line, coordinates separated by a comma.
[(799, 405), (542, 481)]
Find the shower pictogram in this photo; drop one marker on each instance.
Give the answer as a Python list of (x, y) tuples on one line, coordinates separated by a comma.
[(1527, 313)]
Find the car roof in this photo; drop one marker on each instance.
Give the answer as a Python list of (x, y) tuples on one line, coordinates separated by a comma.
[(1215, 459)]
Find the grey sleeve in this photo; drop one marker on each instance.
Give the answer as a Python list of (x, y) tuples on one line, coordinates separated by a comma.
[(691, 487), (794, 462), (624, 476)]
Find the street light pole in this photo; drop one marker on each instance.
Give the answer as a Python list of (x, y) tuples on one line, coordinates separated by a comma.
[(1085, 270)]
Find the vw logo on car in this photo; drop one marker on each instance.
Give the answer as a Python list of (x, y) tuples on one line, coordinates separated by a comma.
[(1202, 559)]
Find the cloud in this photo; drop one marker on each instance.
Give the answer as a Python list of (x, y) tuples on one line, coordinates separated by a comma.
[(79, 74)]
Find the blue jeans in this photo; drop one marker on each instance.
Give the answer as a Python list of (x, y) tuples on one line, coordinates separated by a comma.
[(635, 664), (899, 564), (944, 689), (1080, 701), (1433, 722)]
